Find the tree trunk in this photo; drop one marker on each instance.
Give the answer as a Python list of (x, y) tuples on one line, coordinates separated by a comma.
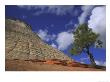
[(91, 58)]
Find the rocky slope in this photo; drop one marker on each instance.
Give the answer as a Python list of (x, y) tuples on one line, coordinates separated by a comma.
[(25, 51), (21, 43)]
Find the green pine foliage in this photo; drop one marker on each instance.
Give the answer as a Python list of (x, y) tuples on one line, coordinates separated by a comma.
[(84, 38)]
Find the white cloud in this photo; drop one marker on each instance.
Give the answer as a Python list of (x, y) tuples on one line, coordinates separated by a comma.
[(100, 63), (56, 9), (64, 39), (86, 10), (43, 34), (53, 45), (98, 22)]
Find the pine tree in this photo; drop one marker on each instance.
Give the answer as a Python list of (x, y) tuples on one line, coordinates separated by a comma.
[(84, 38)]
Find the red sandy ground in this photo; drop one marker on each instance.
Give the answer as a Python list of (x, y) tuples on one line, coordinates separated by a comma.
[(48, 65)]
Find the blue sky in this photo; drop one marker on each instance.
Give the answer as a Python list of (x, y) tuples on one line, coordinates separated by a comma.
[(54, 24)]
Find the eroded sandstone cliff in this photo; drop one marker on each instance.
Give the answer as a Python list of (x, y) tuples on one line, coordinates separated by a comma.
[(23, 44)]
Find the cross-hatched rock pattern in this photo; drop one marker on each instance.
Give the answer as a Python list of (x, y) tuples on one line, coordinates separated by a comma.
[(21, 43)]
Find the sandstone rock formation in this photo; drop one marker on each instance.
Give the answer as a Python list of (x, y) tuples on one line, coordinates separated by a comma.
[(23, 44)]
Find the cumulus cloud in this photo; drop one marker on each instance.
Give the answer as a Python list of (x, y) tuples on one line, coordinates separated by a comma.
[(43, 34), (98, 22), (86, 11), (53, 45), (64, 39), (100, 63), (55, 9)]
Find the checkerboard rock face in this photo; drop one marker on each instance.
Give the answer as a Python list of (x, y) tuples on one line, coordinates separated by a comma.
[(21, 43)]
